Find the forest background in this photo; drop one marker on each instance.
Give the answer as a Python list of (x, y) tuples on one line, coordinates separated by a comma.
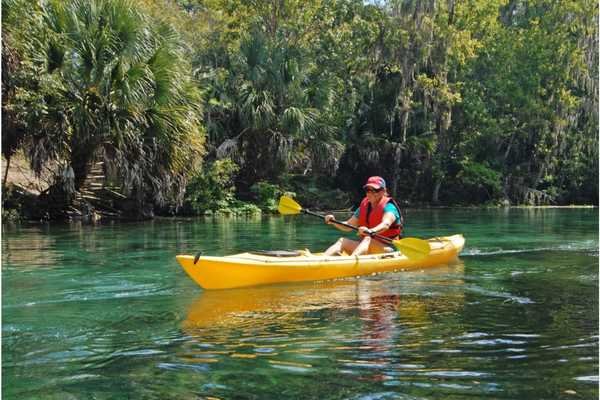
[(136, 108)]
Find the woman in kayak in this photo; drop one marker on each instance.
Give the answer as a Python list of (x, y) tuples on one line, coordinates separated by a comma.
[(378, 213)]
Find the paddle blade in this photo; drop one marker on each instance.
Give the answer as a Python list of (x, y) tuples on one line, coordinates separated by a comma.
[(413, 248), (288, 206)]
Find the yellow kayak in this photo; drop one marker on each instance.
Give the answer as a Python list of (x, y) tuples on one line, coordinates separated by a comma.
[(252, 269)]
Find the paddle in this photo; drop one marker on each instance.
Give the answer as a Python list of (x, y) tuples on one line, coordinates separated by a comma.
[(412, 248)]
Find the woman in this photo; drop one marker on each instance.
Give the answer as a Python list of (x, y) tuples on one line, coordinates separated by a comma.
[(378, 213)]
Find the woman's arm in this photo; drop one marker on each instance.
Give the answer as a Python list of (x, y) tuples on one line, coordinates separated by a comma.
[(387, 221), (351, 221)]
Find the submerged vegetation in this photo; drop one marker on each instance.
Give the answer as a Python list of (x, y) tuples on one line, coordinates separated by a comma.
[(196, 106)]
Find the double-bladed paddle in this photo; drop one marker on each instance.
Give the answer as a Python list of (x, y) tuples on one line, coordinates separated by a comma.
[(412, 248)]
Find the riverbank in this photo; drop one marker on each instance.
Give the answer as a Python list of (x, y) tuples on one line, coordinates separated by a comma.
[(23, 199), (28, 211)]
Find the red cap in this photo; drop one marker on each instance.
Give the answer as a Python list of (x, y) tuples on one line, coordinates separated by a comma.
[(376, 182)]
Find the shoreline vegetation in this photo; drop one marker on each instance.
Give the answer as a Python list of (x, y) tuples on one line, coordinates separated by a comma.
[(136, 109), (24, 182)]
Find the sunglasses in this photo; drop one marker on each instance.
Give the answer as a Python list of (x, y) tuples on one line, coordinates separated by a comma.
[(370, 190)]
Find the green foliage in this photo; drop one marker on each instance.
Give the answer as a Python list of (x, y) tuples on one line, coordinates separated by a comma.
[(107, 82), (11, 205), (454, 102), (212, 189), (19, 204), (267, 195), (479, 176), (525, 98), (14, 130), (271, 107), (318, 193), (238, 207)]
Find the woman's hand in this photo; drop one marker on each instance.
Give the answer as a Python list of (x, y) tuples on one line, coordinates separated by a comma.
[(329, 218), (364, 231)]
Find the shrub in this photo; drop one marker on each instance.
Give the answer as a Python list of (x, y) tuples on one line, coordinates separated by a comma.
[(478, 178), (267, 195), (212, 189)]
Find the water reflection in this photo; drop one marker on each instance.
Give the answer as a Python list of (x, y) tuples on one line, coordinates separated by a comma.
[(369, 316), (374, 299), (379, 330), (232, 308), (31, 248)]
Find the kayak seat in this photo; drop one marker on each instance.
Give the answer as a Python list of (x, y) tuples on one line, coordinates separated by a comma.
[(276, 253)]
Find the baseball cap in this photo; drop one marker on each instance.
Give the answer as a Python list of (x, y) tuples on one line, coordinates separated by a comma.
[(376, 182)]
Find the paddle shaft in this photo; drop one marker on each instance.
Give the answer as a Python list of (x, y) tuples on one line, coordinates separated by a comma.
[(375, 235)]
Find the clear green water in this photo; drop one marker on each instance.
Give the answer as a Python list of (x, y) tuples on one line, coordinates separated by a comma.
[(106, 313)]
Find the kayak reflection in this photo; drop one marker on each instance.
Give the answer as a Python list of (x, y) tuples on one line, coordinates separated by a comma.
[(238, 307), (353, 324), (377, 301)]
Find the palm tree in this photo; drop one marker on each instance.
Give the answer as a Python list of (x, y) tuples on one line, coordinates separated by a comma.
[(121, 91), (282, 111)]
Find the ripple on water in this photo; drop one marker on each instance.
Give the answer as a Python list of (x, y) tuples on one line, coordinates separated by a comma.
[(492, 293), (588, 379), (178, 366), (590, 246), (385, 396), (492, 342), (291, 366)]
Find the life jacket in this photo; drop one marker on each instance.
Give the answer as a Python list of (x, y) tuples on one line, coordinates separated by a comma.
[(370, 217)]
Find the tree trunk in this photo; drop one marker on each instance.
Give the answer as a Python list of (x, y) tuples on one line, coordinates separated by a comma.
[(5, 173), (81, 162), (394, 188), (435, 198)]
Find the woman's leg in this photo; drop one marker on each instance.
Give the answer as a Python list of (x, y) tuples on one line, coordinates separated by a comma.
[(363, 246), (371, 246), (377, 247), (342, 245), (335, 249), (366, 246)]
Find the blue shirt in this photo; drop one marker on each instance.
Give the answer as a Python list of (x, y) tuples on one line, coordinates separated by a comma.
[(389, 207)]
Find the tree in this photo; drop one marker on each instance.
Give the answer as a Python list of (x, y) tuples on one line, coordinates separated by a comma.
[(269, 106), (14, 74), (114, 85), (529, 99)]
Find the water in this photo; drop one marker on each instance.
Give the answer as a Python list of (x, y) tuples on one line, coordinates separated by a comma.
[(105, 312)]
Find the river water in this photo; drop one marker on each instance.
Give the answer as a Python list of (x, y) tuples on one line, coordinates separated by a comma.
[(105, 312)]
